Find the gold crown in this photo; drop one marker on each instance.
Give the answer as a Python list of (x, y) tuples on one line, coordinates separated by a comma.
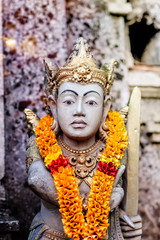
[(80, 68)]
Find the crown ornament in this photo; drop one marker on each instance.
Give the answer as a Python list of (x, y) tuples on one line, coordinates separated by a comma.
[(80, 68)]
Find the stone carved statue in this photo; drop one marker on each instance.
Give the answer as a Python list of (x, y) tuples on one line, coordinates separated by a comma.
[(78, 99)]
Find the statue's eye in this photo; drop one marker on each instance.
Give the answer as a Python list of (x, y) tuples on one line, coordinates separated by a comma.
[(92, 103), (68, 102)]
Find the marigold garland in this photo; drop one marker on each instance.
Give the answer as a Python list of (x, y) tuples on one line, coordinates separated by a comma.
[(69, 201), (67, 188), (98, 205)]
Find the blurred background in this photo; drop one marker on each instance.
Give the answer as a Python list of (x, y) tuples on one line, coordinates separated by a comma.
[(128, 31)]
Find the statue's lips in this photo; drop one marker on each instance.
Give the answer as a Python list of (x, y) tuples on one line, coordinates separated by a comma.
[(78, 124)]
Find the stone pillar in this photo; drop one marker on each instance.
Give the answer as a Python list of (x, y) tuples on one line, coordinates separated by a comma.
[(7, 223), (2, 192), (36, 30)]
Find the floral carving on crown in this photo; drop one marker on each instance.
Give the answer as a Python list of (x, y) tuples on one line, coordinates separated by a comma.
[(82, 72)]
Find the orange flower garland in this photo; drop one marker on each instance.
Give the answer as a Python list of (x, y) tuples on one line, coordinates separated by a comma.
[(98, 205), (69, 201), (67, 188)]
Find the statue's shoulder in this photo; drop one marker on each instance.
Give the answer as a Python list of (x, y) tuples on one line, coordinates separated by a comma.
[(32, 150)]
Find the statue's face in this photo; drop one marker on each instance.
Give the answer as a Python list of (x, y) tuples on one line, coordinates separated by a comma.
[(79, 109)]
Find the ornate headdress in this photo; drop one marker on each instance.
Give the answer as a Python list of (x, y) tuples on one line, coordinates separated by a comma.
[(80, 68)]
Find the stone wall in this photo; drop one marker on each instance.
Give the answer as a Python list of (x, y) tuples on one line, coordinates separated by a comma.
[(146, 74), (149, 192), (36, 29), (31, 30)]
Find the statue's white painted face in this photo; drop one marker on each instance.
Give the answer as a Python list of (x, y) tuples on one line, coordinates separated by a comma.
[(79, 109)]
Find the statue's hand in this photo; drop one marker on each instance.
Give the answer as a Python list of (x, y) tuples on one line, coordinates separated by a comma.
[(131, 226), (119, 174), (116, 197), (117, 192)]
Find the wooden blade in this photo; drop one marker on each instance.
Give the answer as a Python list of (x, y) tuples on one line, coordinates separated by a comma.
[(131, 203)]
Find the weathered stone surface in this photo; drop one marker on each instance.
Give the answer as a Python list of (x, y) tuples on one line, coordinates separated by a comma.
[(143, 79), (129, 57), (153, 127), (149, 191), (151, 53), (150, 119), (149, 8), (148, 82), (2, 164), (119, 7), (149, 92), (106, 36), (8, 224), (155, 138), (2, 193), (2, 149), (39, 29), (150, 110)]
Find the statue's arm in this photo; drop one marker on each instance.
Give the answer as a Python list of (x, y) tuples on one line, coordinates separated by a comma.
[(116, 197), (39, 178), (117, 191)]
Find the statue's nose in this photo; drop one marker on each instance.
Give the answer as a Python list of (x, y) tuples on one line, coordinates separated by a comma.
[(79, 108)]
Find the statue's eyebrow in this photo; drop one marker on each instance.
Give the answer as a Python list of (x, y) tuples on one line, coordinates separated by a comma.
[(69, 90), (91, 92)]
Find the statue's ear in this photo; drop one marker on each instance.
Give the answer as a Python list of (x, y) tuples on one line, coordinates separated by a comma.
[(52, 102), (106, 108), (103, 127)]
